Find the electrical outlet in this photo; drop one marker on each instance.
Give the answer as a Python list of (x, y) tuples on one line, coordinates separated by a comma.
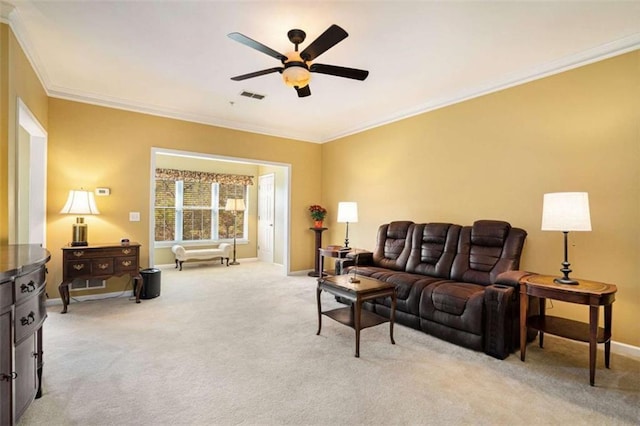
[(134, 216)]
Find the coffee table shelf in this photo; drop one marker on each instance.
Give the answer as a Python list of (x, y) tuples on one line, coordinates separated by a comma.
[(345, 316)]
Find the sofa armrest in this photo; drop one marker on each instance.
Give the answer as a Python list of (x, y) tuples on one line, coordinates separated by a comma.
[(499, 301), (226, 248), (512, 278), (364, 257), (179, 251)]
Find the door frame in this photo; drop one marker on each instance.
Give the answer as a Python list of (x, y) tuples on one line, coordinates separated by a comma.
[(286, 213)]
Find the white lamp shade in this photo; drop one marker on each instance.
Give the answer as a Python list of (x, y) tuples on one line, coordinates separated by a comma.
[(235, 205), (80, 202), (566, 211), (347, 212)]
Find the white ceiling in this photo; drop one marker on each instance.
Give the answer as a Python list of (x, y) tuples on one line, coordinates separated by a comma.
[(173, 58)]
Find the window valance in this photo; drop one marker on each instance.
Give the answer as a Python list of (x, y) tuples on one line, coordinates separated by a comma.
[(193, 176)]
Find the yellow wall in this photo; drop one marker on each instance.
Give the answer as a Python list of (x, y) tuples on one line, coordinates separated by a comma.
[(91, 146), (17, 80), (495, 156)]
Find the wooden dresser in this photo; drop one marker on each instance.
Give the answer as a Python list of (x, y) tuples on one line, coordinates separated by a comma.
[(22, 314), (100, 262)]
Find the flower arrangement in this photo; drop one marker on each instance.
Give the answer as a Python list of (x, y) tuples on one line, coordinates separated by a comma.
[(317, 212)]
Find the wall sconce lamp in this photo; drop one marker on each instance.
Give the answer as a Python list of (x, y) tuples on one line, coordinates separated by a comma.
[(566, 211), (347, 212), (235, 205), (80, 203)]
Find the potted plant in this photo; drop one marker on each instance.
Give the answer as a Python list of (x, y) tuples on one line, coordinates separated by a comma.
[(318, 214)]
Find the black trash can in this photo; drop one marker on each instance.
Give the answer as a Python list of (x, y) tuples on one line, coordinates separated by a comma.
[(151, 287)]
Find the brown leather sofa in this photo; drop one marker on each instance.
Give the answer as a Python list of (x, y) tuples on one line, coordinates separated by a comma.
[(447, 280)]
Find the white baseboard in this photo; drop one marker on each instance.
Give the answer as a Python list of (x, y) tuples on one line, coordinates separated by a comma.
[(625, 350)]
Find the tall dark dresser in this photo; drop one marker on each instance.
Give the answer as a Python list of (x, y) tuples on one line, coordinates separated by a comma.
[(22, 314)]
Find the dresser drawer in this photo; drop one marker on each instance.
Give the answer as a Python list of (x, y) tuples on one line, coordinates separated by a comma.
[(29, 284), (126, 264), (77, 268), (102, 266), (30, 315), (6, 294)]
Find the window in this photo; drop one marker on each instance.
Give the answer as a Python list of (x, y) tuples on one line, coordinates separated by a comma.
[(189, 209)]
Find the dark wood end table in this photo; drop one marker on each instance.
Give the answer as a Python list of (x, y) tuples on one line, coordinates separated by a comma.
[(337, 252), (592, 293), (354, 316)]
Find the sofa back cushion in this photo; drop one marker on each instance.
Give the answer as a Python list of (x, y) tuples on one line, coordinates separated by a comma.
[(393, 245), (433, 248), (487, 249)]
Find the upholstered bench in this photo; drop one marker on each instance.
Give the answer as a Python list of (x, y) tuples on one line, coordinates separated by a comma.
[(183, 254)]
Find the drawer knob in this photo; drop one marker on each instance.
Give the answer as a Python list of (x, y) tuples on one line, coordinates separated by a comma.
[(126, 251), (29, 319), (8, 377), (103, 266), (28, 288), (126, 263), (78, 253), (78, 266)]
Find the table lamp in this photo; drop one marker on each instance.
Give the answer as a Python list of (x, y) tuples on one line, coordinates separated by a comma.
[(80, 203), (566, 211), (347, 212), (234, 205)]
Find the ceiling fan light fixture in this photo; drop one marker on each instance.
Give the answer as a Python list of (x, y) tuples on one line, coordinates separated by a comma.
[(296, 72), (296, 76)]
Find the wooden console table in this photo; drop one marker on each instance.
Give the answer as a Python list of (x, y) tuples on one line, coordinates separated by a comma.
[(100, 262), (592, 293)]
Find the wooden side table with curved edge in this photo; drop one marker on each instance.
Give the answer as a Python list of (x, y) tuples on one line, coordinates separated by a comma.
[(592, 293), (100, 262)]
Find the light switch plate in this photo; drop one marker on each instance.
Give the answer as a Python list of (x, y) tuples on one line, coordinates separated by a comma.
[(134, 216)]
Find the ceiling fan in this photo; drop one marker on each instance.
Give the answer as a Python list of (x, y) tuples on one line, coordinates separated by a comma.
[(296, 66)]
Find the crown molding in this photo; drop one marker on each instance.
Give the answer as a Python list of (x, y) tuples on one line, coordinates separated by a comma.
[(5, 12), (605, 51), (103, 101)]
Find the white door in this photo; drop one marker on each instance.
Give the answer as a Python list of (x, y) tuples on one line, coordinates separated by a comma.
[(266, 209)]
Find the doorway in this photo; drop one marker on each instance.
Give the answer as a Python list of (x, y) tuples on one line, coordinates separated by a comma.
[(266, 211), (29, 198)]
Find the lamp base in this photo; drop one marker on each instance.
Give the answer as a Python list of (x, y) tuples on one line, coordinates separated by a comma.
[(566, 281), (78, 243), (234, 263)]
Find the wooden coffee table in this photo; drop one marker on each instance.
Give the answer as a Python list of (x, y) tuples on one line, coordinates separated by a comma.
[(354, 316)]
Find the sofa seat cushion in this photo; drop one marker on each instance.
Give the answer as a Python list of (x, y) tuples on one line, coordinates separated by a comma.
[(455, 304), (408, 290)]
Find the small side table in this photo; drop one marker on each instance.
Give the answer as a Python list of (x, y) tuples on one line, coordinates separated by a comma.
[(357, 293), (592, 293), (318, 244)]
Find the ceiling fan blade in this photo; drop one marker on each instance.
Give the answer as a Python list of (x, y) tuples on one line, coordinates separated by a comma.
[(353, 73), (256, 74), (303, 92), (332, 36), (241, 38)]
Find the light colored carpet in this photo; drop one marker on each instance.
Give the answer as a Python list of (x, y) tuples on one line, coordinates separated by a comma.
[(238, 345)]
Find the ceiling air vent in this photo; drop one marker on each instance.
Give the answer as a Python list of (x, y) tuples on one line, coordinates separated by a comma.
[(252, 95)]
